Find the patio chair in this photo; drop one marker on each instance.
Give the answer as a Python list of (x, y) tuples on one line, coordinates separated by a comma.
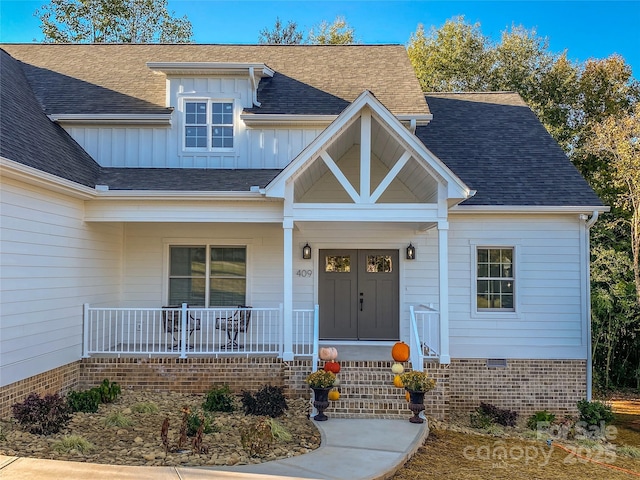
[(172, 323), (233, 325)]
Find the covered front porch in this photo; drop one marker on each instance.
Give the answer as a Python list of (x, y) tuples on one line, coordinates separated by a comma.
[(187, 332)]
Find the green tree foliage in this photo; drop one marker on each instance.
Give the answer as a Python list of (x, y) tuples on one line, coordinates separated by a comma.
[(454, 57), (591, 110), (112, 21), (281, 34), (337, 33)]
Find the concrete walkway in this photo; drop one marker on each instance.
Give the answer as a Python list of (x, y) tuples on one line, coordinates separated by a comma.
[(351, 449)]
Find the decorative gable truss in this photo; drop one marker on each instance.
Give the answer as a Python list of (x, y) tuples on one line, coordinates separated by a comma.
[(366, 166)]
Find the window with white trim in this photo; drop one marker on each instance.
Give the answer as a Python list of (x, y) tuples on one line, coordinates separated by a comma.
[(207, 275), (495, 279), (208, 125)]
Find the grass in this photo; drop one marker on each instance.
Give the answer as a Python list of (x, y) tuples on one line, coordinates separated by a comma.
[(144, 407), (450, 454), (73, 442), (117, 419)]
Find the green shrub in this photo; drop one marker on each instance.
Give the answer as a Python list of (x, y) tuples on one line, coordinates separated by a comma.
[(42, 416), (117, 419), (145, 407), (269, 401), (480, 419), (195, 419), (540, 417), (109, 391), (594, 412), (219, 399), (84, 401), (73, 442)]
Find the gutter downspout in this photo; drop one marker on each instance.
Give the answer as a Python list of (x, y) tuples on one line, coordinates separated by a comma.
[(254, 87), (588, 224)]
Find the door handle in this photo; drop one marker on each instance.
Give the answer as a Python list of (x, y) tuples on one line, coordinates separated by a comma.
[(361, 301)]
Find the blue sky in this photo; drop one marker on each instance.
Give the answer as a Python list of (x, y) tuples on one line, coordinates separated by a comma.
[(586, 29)]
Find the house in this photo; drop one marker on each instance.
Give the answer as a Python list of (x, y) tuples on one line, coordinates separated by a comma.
[(317, 185)]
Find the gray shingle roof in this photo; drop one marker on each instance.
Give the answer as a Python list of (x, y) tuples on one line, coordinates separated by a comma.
[(497, 146), (185, 179), (27, 136), (308, 80)]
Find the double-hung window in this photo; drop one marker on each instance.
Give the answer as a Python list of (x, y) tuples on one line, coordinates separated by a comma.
[(495, 279), (206, 275), (208, 125)]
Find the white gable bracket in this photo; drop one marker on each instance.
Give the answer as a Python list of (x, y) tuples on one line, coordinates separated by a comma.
[(390, 176), (346, 184)]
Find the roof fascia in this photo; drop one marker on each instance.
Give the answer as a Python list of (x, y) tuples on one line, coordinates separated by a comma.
[(456, 188), (211, 68), (259, 120), (111, 118), (159, 195), (38, 178), (527, 209)]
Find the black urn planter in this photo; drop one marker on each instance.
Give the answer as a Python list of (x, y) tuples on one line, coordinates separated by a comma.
[(321, 402), (416, 405)]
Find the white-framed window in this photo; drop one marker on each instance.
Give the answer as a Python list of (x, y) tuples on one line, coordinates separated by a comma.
[(495, 279), (207, 275), (208, 124)]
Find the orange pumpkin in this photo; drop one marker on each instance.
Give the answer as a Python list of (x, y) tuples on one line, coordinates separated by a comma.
[(328, 353), (397, 381), (334, 395), (400, 352), (332, 367)]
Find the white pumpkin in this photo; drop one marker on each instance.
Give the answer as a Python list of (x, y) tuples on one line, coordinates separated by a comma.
[(328, 353), (397, 368)]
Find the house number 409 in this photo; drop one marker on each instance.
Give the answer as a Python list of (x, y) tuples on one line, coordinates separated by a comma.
[(304, 273)]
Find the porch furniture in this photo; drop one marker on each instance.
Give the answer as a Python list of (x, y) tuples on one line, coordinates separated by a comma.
[(172, 323), (236, 323)]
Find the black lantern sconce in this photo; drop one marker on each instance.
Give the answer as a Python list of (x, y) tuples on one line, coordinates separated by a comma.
[(306, 252), (411, 252)]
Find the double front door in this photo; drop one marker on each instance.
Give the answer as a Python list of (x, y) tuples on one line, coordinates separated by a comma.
[(358, 294)]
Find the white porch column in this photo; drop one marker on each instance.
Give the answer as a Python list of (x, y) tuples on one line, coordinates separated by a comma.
[(287, 310), (443, 267)]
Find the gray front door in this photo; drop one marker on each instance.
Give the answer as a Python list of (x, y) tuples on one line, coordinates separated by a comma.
[(358, 294)]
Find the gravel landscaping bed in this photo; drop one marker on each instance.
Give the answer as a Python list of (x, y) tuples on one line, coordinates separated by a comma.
[(140, 443)]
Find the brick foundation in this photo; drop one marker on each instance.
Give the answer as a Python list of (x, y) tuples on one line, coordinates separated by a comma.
[(59, 380), (366, 386)]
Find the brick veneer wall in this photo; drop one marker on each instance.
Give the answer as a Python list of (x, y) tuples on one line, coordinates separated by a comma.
[(59, 380), (523, 385), (192, 375), (366, 386)]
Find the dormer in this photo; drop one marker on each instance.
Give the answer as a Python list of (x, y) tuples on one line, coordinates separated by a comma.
[(208, 98)]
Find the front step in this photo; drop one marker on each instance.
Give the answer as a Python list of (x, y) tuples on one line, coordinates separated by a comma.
[(367, 391)]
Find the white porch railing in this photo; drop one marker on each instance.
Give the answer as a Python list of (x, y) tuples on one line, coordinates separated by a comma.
[(191, 331), (424, 335)]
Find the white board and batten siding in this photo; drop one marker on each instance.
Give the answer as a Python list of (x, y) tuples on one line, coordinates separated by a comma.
[(52, 262), (550, 320), (162, 146)]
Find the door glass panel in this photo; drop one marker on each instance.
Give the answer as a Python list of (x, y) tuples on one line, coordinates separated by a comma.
[(379, 264), (337, 264)]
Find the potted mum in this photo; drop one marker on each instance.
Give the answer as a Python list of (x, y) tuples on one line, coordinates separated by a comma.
[(417, 384), (321, 382)]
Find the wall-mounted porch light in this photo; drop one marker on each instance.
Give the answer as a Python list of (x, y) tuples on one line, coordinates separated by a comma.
[(306, 252), (411, 252)]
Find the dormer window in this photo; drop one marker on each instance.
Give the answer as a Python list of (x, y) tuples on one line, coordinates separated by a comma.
[(208, 125)]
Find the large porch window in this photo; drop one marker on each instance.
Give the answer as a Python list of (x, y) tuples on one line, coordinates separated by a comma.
[(206, 275)]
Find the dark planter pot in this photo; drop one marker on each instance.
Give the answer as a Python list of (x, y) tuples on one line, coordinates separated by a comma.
[(416, 405), (321, 402)]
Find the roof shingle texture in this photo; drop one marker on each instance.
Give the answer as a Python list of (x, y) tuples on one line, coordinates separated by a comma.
[(27, 136), (497, 146), (308, 79)]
